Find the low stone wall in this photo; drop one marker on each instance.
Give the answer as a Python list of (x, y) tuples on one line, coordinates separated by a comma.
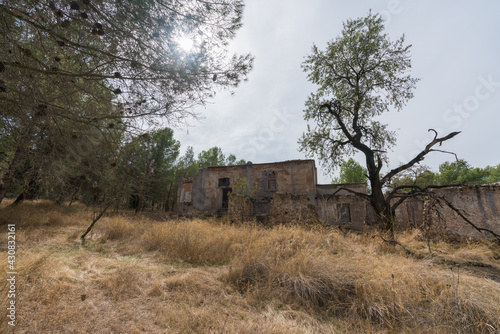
[(480, 204), (333, 211), (410, 214)]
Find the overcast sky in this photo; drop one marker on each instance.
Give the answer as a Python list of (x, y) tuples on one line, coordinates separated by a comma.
[(455, 53)]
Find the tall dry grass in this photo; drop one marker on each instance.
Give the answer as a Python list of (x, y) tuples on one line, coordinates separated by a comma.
[(205, 276), (196, 241), (353, 276), (36, 214)]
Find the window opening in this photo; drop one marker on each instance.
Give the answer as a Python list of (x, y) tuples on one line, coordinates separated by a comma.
[(224, 182), (344, 212)]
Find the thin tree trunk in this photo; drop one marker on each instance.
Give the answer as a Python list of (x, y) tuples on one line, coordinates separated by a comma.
[(19, 199), (93, 222), (167, 206), (73, 196)]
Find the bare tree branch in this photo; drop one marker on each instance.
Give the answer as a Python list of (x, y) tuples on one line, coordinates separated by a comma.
[(94, 221), (417, 191), (419, 157), (362, 195)]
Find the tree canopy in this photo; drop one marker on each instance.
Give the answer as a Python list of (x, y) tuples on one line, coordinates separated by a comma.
[(359, 76), (351, 171), (215, 157), (124, 53), (461, 172), (75, 76), (458, 172)]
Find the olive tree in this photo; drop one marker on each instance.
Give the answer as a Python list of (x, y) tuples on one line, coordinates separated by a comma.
[(360, 75)]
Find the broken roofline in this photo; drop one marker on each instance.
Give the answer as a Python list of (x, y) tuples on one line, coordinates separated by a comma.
[(249, 163), (286, 162), (334, 185)]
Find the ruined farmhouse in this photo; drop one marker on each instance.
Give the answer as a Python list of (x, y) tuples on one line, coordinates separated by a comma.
[(284, 191), (288, 191)]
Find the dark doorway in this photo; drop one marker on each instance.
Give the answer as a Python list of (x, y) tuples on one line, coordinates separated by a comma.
[(225, 198)]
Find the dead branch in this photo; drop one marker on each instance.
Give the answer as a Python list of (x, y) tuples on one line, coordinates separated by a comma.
[(447, 152), (362, 195), (417, 191), (419, 157)]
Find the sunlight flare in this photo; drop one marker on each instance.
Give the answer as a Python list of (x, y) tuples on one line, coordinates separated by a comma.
[(185, 43)]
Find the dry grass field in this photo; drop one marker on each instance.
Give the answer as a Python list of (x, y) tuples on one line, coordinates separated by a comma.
[(148, 274)]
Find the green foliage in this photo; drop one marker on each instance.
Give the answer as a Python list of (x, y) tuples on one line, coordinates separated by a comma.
[(493, 174), (461, 172), (418, 175), (212, 157), (126, 54), (215, 157), (242, 188), (75, 77), (351, 172), (455, 172), (147, 167), (232, 160), (359, 76), (187, 165), (365, 75)]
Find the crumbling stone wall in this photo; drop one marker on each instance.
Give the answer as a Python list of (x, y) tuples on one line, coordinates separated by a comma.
[(240, 210), (286, 207), (208, 196), (287, 191), (480, 204), (339, 207), (410, 214)]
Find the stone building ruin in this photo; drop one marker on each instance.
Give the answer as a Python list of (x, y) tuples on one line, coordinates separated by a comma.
[(288, 191)]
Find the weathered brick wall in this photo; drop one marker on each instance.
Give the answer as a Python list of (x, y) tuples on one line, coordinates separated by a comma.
[(240, 210), (205, 196), (294, 195)]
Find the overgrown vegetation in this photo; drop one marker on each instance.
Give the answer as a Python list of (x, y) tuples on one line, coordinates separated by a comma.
[(142, 173), (153, 274)]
